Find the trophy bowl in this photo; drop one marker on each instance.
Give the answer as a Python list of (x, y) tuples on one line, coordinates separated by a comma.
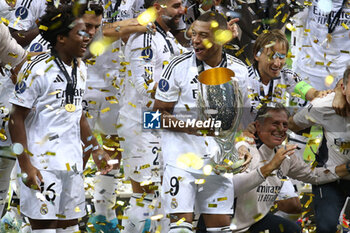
[(220, 100)]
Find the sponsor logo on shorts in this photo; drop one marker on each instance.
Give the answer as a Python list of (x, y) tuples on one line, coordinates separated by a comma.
[(174, 203)]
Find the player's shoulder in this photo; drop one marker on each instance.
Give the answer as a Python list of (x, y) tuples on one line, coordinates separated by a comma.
[(37, 62), (179, 62), (235, 61)]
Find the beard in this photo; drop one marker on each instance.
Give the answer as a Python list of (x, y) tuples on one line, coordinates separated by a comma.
[(171, 21)]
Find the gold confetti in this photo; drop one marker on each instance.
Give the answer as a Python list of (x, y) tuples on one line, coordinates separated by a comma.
[(68, 166), (207, 44), (77, 209), (48, 68), (199, 181), (180, 221), (105, 110), (329, 80), (108, 4), (44, 28), (212, 205), (258, 217), (55, 92), (222, 199), (132, 105), (187, 107), (214, 24), (60, 216), (148, 16), (157, 217), (6, 22), (345, 26)]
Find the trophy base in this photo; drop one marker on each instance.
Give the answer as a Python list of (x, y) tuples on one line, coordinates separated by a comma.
[(233, 168)]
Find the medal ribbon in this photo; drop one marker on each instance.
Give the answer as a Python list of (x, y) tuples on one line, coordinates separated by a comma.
[(71, 80), (333, 22)]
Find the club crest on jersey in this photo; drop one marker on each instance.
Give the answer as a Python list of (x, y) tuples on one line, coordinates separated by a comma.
[(163, 85), (36, 47), (43, 209), (21, 12), (147, 54), (174, 203), (20, 87)]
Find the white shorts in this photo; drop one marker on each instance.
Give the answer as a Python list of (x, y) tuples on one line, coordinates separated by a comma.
[(142, 159), (180, 194), (104, 113), (62, 197)]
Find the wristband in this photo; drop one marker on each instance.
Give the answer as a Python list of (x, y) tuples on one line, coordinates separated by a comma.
[(302, 88)]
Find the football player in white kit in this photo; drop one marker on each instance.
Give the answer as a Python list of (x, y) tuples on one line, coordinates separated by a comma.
[(147, 54), (102, 101), (47, 126), (177, 91), (23, 19), (329, 198), (325, 48), (8, 46)]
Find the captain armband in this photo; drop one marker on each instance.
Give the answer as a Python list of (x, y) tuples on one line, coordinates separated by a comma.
[(302, 88)]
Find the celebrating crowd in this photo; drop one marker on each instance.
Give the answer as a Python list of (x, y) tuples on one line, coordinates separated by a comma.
[(191, 101)]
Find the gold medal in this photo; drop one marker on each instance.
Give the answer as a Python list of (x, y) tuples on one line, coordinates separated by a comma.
[(70, 107)]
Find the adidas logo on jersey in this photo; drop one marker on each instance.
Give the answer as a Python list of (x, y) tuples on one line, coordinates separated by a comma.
[(58, 79), (194, 80), (165, 49)]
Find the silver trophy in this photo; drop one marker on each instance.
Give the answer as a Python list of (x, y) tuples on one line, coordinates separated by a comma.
[(220, 100)]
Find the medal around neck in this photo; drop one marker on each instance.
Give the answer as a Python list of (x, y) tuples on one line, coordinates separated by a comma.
[(70, 107), (220, 100)]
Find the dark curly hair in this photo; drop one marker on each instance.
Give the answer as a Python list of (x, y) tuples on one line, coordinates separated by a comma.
[(56, 21)]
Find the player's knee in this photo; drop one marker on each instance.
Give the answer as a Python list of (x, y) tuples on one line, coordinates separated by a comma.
[(184, 227), (218, 229)]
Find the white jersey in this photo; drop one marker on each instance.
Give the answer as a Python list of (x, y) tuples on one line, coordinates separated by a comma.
[(147, 54), (53, 134), (26, 13), (39, 44), (320, 57), (278, 90), (257, 201), (117, 10), (336, 128), (179, 84), (6, 88)]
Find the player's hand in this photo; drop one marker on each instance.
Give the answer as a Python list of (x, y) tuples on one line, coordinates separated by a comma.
[(281, 154), (233, 27), (101, 159), (339, 104), (249, 132), (31, 177), (321, 94), (244, 153)]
